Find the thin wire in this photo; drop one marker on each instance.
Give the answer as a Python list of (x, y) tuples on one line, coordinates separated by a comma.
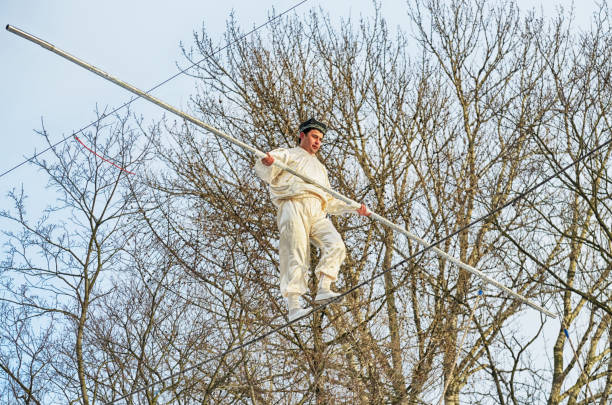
[(372, 278), (485, 216), (152, 89)]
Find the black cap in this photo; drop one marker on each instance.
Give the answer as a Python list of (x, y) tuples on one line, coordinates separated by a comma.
[(313, 124)]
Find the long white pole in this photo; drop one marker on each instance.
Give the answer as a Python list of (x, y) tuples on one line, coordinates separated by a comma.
[(260, 154)]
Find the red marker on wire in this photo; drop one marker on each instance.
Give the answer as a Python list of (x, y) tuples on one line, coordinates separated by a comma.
[(102, 157)]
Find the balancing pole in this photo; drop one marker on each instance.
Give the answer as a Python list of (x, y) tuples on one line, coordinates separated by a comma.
[(260, 154)]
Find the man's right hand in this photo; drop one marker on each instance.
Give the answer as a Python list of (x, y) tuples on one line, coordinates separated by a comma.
[(268, 160), (363, 210)]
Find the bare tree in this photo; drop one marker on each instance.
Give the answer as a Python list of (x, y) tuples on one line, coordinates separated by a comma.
[(404, 150), (57, 264), (23, 359), (578, 220)]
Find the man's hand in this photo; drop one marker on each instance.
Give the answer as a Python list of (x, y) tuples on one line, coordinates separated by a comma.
[(268, 160), (363, 210)]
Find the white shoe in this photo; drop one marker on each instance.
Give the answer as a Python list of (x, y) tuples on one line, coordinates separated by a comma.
[(324, 296), (296, 313)]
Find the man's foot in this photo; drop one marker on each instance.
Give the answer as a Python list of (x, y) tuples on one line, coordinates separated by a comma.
[(296, 313), (324, 296)]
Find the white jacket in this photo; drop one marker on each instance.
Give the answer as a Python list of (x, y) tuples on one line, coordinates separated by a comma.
[(285, 186)]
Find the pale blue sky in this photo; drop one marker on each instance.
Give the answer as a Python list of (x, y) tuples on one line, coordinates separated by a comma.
[(136, 41)]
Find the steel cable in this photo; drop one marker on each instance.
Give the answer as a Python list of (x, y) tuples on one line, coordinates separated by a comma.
[(375, 276)]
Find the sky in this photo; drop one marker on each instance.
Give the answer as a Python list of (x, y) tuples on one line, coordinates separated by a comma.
[(136, 41)]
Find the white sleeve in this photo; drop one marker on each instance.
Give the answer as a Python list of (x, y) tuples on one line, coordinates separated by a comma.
[(334, 205), (337, 207), (269, 173)]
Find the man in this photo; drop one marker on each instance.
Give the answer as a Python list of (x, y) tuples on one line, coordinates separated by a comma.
[(301, 218)]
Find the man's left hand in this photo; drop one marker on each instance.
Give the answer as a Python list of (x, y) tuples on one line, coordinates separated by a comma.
[(363, 210)]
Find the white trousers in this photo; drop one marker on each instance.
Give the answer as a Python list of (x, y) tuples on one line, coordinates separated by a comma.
[(301, 222)]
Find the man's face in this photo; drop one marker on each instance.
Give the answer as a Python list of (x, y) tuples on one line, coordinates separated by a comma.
[(311, 141)]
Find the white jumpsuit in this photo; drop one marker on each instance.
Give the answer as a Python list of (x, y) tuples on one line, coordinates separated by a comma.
[(302, 219)]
